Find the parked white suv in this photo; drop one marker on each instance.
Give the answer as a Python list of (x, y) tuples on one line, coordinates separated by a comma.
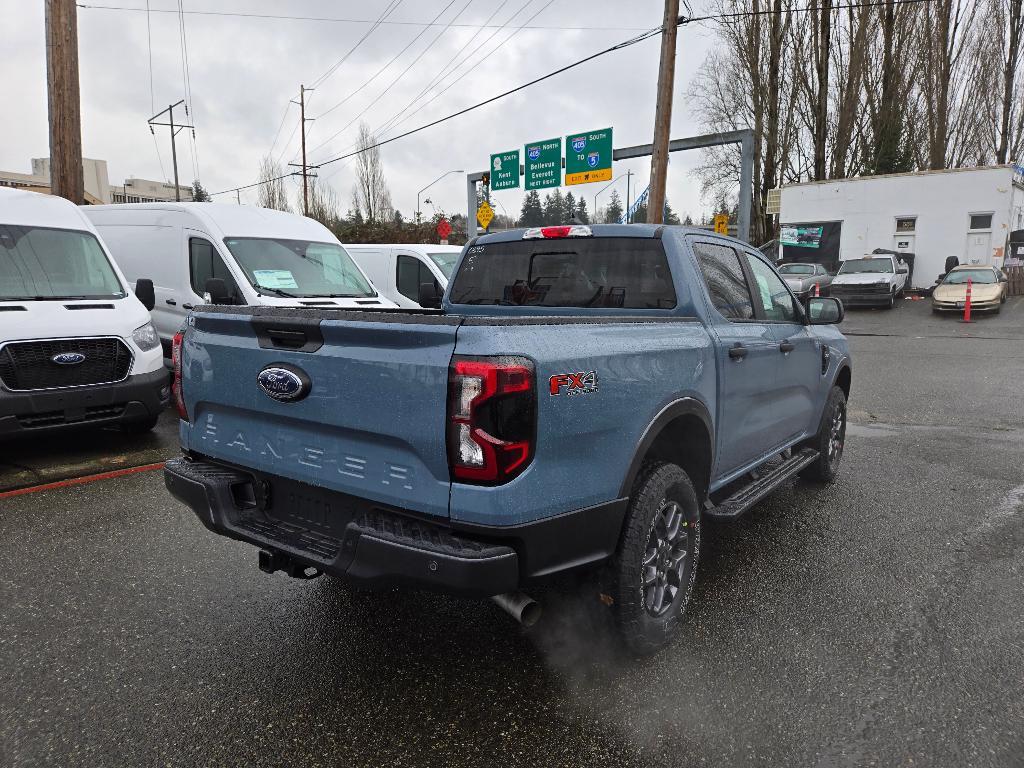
[(876, 280), (77, 347)]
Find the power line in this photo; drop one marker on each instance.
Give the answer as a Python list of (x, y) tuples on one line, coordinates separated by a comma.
[(388, 10), (617, 47), (402, 74), (149, 46), (187, 82), (379, 71), (287, 17)]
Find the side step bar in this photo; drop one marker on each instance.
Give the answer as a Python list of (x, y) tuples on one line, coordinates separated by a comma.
[(749, 495)]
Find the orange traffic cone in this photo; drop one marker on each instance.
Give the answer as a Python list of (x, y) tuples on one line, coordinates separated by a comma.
[(967, 303)]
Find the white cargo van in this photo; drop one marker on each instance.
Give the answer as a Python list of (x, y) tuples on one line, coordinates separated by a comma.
[(77, 348), (230, 254), (397, 271)]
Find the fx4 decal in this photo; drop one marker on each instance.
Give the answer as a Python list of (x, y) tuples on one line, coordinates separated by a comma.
[(581, 383)]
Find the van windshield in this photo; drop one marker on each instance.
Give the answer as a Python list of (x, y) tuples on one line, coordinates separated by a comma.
[(445, 260), (298, 267), (42, 263)]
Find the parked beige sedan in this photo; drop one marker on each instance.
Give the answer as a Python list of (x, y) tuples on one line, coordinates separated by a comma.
[(988, 289)]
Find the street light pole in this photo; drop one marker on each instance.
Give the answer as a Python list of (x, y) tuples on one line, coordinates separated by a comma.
[(601, 190), (446, 173)]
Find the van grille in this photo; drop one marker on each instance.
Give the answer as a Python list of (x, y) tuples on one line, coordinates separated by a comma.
[(28, 365)]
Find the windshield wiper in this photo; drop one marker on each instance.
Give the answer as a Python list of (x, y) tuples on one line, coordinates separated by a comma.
[(279, 292)]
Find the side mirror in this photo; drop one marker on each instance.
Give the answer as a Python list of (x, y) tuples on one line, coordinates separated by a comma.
[(1003, 279), (145, 293), (217, 291), (902, 271), (429, 296), (825, 311)]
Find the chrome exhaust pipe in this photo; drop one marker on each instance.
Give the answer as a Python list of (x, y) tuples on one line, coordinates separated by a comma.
[(520, 607)]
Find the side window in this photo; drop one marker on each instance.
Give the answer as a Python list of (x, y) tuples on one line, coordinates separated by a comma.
[(412, 272), (204, 262), (770, 293), (408, 277), (727, 285)]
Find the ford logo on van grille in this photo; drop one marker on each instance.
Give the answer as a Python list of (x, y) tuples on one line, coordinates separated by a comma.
[(68, 358), (284, 383)]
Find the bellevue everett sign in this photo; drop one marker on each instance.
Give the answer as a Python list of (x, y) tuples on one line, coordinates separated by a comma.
[(505, 170), (544, 164), (588, 157)]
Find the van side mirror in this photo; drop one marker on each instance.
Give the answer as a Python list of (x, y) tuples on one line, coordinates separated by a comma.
[(1003, 278), (429, 296), (144, 292), (825, 311), (217, 291)]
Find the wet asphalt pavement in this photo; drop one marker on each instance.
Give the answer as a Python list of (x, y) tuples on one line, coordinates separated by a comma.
[(878, 621)]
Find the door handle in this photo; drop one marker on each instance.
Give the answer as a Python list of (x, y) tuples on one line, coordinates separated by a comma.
[(786, 346), (189, 307), (172, 302), (737, 351)]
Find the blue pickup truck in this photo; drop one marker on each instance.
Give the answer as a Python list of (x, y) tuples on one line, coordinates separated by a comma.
[(581, 399)]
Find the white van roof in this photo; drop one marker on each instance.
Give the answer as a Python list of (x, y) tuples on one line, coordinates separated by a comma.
[(422, 248), (34, 209), (220, 219)]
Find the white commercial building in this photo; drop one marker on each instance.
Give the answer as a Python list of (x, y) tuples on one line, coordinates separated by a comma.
[(969, 213), (98, 189)]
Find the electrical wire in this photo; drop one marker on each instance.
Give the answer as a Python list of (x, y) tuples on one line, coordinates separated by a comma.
[(187, 82), (402, 74), (287, 17), (554, 73), (149, 46)]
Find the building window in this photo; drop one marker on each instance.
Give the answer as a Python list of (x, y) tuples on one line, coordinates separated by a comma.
[(981, 221), (906, 224)]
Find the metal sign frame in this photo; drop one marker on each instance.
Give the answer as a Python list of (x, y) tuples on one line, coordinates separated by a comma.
[(744, 138)]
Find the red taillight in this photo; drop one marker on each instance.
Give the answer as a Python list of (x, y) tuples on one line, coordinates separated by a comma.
[(176, 387), (560, 231), (491, 418)]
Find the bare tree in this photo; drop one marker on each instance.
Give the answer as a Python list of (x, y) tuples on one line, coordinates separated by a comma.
[(1011, 115), (370, 195), (323, 204), (849, 126), (946, 27), (272, 193)]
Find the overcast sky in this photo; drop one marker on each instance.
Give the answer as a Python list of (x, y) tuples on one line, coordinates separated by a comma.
[(243, 72)]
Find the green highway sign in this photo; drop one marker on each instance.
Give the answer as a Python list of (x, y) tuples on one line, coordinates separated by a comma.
[(505, 170), (544, 164), (588, 157)]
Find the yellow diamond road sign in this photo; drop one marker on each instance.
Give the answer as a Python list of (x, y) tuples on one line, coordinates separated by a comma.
[(484, 214)]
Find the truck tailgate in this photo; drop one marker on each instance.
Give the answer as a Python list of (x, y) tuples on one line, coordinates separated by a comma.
[(373, 423)]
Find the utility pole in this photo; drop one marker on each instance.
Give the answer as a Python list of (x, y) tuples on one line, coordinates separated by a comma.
[(629, 175), (66, 178), (175, 128), (305, 167), (663, 114)]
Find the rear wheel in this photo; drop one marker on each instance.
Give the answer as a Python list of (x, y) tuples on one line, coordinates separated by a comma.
[(829, 441), (656, 563)]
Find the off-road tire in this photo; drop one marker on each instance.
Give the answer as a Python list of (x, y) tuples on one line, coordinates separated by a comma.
[(830, 453), (660, 489)]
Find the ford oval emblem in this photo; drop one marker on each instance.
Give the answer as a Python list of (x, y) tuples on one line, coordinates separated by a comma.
[(284, 383), (68, 358)]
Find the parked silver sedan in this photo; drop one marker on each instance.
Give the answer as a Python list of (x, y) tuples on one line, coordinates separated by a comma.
[(802, 278)]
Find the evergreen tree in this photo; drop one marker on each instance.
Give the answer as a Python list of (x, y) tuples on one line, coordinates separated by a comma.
[(554, 207), (613, 212), (568, 208), (199, 193), (688, 221), (671, 217), (640, 214), (581, 211), (532, 214)]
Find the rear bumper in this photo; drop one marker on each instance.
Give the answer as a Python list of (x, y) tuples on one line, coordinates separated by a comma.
[(137, 398), (357, 539)]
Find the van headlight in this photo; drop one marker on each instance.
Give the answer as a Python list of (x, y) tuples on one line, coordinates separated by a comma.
[(145, 337)]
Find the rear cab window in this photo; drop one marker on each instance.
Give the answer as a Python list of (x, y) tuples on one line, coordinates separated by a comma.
[(598, 272)]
